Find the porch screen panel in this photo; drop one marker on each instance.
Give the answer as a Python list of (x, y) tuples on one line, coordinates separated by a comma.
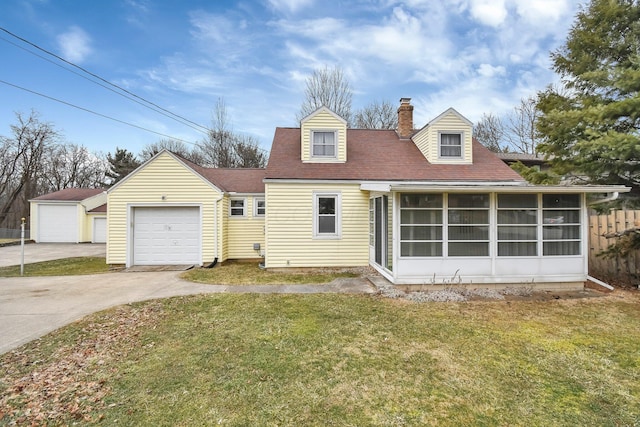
[(517, 225), (468, 230), (561, 224), (421, 225)]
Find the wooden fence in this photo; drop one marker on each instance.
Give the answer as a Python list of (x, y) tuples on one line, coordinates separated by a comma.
[(623, 269)]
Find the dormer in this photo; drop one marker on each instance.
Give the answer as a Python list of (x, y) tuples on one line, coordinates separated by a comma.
[(323, 137), (446, 139)]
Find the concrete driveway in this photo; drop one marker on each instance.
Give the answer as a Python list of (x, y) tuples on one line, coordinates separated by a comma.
[(36, 252), (31, 307)]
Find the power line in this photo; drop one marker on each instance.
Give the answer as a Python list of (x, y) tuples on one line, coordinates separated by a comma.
[(103, 85), (95, 113), (203, 129)]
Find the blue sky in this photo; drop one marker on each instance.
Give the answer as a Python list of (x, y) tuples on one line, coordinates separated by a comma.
[(478, 56)]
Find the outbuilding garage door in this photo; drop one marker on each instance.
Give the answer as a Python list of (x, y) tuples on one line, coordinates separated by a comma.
[(57, 223), (99, 230), (166, 235)]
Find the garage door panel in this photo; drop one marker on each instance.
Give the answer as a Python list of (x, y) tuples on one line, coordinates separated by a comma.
[(57, 223), (166, 235), (99, 230)]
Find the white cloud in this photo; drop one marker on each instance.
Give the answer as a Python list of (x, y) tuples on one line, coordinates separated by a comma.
[(487, 70), (489, 12), (291, 6), (75, 44), (543, 12)]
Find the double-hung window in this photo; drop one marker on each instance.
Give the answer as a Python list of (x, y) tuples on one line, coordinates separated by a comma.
[(237, 207), (326, 215), (259, 206), (323, 144), (450, 145)]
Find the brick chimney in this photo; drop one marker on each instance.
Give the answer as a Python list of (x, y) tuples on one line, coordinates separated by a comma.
[(405, 118)]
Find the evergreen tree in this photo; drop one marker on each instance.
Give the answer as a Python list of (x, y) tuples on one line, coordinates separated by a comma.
[(121, 164), (591, 126)]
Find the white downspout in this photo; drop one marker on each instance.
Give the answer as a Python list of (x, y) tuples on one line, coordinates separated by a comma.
[(599, 282), (215, 229), (611, 198)]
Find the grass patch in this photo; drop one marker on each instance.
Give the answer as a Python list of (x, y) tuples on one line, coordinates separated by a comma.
[(321, 360), (245, 273), (59, 267)]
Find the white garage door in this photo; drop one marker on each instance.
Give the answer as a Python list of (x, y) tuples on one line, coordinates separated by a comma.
[(166, 236), (57, 223), (99, 230)]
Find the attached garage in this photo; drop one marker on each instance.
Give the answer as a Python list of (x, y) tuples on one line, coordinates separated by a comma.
[(166, 235), (57, 224)]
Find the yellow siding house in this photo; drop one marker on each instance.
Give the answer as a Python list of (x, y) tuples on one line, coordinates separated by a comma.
[(171, 211)]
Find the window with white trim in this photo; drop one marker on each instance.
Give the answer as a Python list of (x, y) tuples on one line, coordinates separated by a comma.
[(561, 224), (237, 207), (450, 145), (326, 215), (259, 206), (323, 143)]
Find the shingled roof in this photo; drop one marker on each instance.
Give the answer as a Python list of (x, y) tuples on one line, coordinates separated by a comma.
[(232, 180), (71, 194), (380, 155)]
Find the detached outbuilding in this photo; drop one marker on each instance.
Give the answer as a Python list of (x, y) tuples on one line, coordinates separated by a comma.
[(72, 215)]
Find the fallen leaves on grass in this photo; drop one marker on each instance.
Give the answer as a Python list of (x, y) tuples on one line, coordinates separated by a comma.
[(72, 383)]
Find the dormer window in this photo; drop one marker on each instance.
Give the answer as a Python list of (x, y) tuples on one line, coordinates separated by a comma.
[(323, 143), (450, 145)]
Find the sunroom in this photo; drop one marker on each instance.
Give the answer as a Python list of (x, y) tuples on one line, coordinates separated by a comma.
[(482, 235)]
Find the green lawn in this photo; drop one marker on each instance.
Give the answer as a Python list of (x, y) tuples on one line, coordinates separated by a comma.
[(59, 267), (321, 360), (248, 273)]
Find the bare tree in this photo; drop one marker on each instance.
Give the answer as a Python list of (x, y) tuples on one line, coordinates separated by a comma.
[(522, 126), (225, 149), (248, 153), (21, 157), (490, 132), (377, 115), (330, 88), (217, 149), (71, 165), (177, 147)]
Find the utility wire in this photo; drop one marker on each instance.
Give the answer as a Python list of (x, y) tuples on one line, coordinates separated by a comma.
[(203, 128), (96, 113), (199, 128)]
